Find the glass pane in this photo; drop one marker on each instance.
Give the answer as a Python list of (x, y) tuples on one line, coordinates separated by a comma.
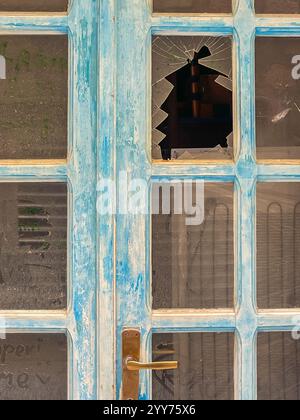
[(33, 5), (33, 246), (278, 245), (192, 98), (34, 367), (193, 265), (278, 367), (192, 6), (277, 6), (278, 98), (206, 367), (34, 97)]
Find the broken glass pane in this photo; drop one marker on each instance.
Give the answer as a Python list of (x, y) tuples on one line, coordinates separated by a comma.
[(277, 6), (278, 98), (278, 245), (193, 265), (206, 367), (278, 367), (34, 96), (33, 367), (33, 246), (192, 97), (192, 6), (33, 5)]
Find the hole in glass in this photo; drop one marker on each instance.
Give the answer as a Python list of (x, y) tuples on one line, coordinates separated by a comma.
[(33, 367), (33, 5), (193, 265), (278, 367), (192, 6), (192, 97), (277, 6), (277, 98), (33, 246), (278, 245), (34, 97), (206, 367)]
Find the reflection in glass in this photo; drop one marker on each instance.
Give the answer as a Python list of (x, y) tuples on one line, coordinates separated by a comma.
[(206, 365), (193, 266), (277, 6), (278, 98), (34, 96), (33, 246), (278, 367), (278, 245), (192, 6), (33, 367), (33, 5), (192, 97)]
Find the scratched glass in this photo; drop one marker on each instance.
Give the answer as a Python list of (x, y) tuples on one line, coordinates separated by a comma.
[(278, 98), (34, 96), (277, 6), (33, 246), (193, 265), (278, 245), (192, 6), (33, 5), (206, 367), (192, 112), (278, 367), (33, 367)]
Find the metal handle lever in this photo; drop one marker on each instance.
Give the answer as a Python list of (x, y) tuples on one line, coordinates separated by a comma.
[(134, 366), (131, 366)]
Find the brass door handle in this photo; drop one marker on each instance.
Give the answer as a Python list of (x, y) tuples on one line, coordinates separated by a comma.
[(133, 365), (131, 356)]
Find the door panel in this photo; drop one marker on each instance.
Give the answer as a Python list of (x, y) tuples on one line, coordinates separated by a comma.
[(215, 300)]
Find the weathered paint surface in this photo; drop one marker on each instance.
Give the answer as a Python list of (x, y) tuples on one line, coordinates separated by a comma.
[(114, 106)]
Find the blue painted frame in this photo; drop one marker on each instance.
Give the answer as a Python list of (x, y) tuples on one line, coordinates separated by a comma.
[(130, 137), (79, 321)]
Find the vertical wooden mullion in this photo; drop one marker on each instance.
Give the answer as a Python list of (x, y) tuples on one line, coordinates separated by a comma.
[(82, 174), (244, 22)]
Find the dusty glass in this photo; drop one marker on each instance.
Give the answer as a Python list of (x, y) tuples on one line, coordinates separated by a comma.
[(278, 98), (277, 6), (192, 6), (278, 367), (33, 367), (278, 245), (34, 96), (33, 246), (206, 366), (192, 113), (193, 265), (33, 5)]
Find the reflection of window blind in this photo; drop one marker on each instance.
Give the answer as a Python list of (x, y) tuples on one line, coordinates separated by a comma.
[(42, 217)]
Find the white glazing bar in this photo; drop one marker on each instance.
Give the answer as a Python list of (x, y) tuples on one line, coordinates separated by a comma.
[(18, 23), (34, 172), (33, 320), (193, 320), (244, 23), (279, 320)]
